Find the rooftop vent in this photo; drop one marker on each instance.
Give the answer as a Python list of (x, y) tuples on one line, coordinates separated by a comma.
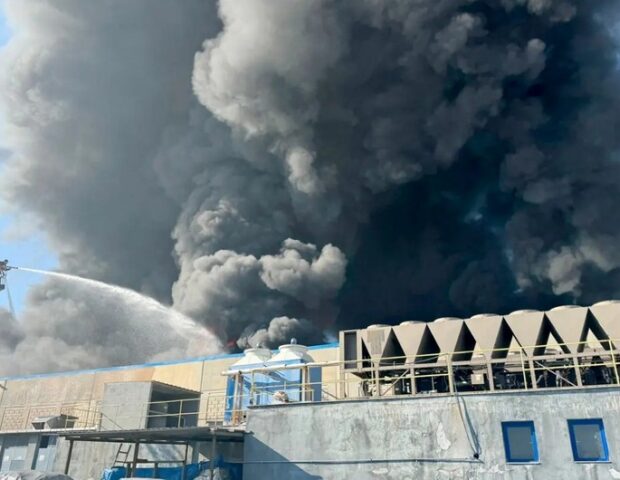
[(54, 422)]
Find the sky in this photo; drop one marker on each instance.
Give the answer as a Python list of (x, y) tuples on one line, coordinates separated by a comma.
[(26, 248)]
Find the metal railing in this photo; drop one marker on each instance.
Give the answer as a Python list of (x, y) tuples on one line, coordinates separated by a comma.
[(475, 371), (62, 416), (207, 410), (453, 373)]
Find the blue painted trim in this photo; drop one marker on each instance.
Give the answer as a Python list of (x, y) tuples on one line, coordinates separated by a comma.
[(324, 346), (207, 358), (573, 438), (506, 426)]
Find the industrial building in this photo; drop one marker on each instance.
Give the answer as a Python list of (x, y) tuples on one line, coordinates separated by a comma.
[(527, 395)]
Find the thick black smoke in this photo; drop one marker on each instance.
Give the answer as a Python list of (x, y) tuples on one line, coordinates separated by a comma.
[(314, 165)]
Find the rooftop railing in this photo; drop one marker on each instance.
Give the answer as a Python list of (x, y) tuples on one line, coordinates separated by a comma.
[(455, 373), (451, 373), (49, 416)]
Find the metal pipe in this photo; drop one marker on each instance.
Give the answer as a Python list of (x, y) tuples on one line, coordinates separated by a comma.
[(213, 450), (68, 462), (184, 472), (362, 461), (134, 463)]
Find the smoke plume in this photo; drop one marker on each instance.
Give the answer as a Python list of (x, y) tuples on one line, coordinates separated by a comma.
[(282, 169)]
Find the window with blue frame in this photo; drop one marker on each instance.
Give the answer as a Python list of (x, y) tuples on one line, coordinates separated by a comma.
[(520, 442), (588, 441)]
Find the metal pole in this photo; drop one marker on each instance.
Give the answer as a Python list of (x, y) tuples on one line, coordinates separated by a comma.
[(490, 374), (450, 379), (134, 463), (252, 387), (180, 413), (237, 402), (2, 390), (577, 371), (613, 362), (305, 381), (532, 373), (212, 462), (522, 366), (68, 462), (184, 472)]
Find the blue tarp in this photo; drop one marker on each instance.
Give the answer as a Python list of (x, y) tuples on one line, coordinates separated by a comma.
[(166, 473), (113, 473), (235, 471)]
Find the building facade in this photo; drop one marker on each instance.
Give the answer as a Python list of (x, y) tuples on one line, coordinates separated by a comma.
[(522, 396)]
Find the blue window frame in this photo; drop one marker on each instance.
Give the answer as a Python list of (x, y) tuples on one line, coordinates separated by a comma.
[(588, 440), (520, 442)]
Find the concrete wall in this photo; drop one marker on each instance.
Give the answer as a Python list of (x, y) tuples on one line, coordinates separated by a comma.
[(125, 405), (426, 438), (88, 460), (27, 439)]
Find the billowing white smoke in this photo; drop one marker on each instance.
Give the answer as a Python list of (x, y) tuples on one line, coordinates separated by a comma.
[(282, 168), (70, 326)]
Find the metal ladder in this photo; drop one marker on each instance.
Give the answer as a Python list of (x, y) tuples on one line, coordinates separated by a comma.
[(120, 460)]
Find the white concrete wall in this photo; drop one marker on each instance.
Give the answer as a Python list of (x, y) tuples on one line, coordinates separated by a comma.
[(426, 438)]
